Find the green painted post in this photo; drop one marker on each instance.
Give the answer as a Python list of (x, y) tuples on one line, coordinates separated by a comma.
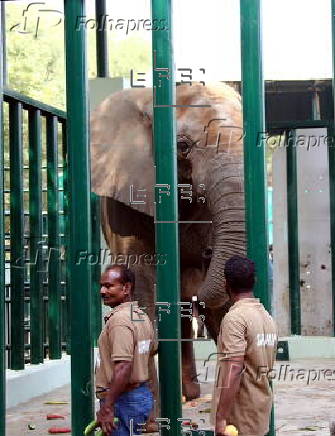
[(331, 160), (36, 238), (16, 236), (2, 252), (331, 164), (254, 150), (80, 217), (293, 234), (101, 38), (166, 218), (54, 286), (96, 269)]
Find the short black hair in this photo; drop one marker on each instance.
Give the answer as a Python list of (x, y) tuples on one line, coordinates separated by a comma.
[(127, 275), (240, 274)]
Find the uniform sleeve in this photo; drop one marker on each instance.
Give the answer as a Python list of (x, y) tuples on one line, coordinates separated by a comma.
[(122, 343), (154, 343), (233, 337)]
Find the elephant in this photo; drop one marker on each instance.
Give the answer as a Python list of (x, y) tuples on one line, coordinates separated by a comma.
[(211, 195)]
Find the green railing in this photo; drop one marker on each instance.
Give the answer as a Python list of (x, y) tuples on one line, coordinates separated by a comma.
[(35, 166), (36, 233)]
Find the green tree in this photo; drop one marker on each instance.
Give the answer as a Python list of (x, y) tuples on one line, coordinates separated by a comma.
[(36, 68), (35, 59)]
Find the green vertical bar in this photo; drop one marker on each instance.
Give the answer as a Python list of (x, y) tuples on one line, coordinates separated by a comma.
[(80, 217), (331, 157), (168, 278), (16, 236), (254, 151), (293, 234), (36, 238), (66, 236), (96, 269), (331, 164), (54, 286), (101, 38), (2, 252)]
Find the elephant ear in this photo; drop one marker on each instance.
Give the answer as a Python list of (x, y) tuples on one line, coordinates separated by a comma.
[(121, 149)]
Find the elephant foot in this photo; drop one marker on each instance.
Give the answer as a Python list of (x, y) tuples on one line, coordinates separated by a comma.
[(191, 390)]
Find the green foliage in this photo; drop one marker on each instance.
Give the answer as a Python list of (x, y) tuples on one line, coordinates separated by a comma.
[(36, 65), (35, 53), (130, 53)]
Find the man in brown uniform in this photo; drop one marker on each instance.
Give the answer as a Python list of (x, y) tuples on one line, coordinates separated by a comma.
[(125, 346), (247, 346)]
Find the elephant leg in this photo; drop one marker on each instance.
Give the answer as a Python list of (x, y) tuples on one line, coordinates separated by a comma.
[(191, 387), (191, 280)]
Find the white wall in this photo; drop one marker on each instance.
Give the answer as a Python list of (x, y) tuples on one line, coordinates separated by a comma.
[(314, 235)]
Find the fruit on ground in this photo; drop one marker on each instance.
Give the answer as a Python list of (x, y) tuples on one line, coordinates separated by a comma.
[(231, 430)]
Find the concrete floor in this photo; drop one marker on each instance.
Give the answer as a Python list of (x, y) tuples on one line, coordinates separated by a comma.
[(304, 402)]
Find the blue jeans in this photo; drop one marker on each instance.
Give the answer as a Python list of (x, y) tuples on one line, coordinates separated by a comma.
[(132, 408)]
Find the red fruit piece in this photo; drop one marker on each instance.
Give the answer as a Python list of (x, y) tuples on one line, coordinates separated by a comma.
[(54, 416), (57, 430)]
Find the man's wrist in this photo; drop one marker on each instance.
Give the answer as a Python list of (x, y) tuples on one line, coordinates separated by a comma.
[(220, 415), (109, 403)]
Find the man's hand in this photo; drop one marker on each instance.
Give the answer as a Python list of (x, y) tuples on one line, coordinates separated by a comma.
[(105, 418), (220, 426), (232, 370)]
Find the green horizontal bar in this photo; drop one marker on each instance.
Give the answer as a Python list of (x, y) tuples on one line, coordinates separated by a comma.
[(11, 96), (35, 236), (44, 167), (54, 308), (202, 432), (16, 232), (26, 213), (44, 298), (7, 191), (28, 346)]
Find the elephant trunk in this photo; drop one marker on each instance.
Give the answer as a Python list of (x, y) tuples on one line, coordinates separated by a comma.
[(226, 204)]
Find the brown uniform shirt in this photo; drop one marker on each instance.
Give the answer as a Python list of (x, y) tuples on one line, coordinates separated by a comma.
[(127, 336), (248, 330)]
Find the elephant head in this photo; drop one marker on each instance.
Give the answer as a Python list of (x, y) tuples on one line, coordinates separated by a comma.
[(210, 154)]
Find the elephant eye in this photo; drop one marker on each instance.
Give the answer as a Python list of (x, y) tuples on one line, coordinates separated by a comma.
[(183, 148)]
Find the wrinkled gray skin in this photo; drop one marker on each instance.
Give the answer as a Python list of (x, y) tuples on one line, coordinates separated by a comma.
[(121, 149)]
